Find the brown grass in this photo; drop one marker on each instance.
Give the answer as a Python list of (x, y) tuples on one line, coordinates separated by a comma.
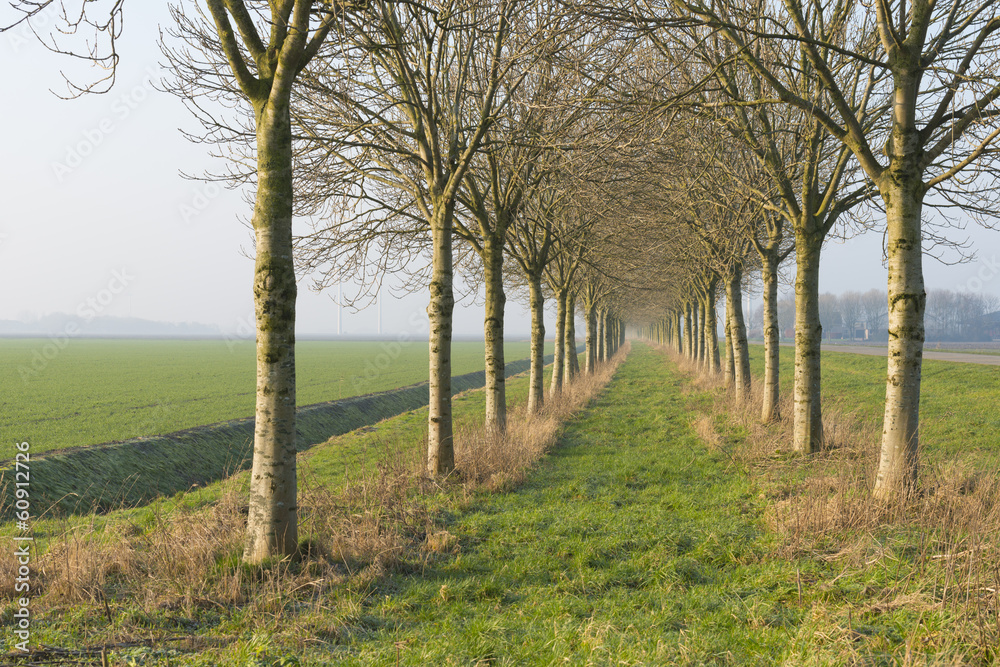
[(941, 546)]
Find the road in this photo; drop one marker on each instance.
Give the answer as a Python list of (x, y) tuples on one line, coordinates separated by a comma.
[(871, 350)]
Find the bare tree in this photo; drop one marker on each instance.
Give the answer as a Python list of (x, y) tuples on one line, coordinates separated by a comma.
[(851, 311), (873, 307), (238, 64), (521, 148), (830, 314), (256, 57)]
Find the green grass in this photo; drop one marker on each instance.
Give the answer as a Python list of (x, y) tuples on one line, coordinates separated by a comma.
[(631, 544), (327, 464), (96, 391)]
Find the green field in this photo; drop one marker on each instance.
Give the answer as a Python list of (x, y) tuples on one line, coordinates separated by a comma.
[(95, 391), (959, 402)]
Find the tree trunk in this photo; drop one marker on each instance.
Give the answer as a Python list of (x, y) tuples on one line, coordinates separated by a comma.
[(440, 438), (898, 462), (559, 354), (741, 351), (700, 337), (688, 328), (536, 387), (609, 329), (730, 361), (572, 358), (711, 326), (496, 385), (678, 331), (602, 339), (272, 522), (807, 427), (591, 340), (770, 410)]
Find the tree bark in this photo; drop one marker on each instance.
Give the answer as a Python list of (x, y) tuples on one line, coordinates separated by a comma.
[(536, 387), (592, 338), (688, 328), (272, 522), (730, 378), (572, 358), (493, 329), (440, 437), (711, 325), (678, 331), (741, 351), (697, 331), (602, 339), (700, 333), (609, 338), (770, 410), (903, 198), (559, 354), (807, 427)]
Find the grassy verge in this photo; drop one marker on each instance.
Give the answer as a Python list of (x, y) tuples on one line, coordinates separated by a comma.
[(991, 352)]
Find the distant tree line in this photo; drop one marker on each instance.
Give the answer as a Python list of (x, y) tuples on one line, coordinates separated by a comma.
[(950, 316)]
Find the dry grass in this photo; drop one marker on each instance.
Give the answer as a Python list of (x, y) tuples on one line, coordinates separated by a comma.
[(938, 550), (379, 520), (491, 461)]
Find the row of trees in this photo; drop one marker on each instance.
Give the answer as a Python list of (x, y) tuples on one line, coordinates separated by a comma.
[(449, 130), (852, 112), (631, 161)]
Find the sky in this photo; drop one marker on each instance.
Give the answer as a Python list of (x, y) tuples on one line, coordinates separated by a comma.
[(96, 214)]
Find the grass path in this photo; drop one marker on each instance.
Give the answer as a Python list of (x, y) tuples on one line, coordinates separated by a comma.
[(631, 544)]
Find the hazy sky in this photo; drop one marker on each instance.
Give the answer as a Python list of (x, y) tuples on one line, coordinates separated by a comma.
[(94, 208)]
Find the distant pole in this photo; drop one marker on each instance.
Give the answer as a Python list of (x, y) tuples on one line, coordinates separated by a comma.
[(340, 309), (378, 304)]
